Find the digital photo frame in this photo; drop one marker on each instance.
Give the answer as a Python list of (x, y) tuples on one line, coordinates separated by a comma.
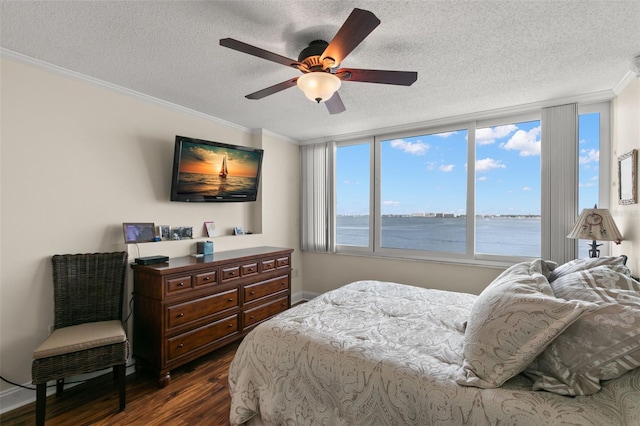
[(138, 232)]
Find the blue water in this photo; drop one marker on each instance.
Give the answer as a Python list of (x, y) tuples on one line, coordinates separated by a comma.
[(497, 235)]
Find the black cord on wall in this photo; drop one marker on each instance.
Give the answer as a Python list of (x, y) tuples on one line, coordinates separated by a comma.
[(51, 386)]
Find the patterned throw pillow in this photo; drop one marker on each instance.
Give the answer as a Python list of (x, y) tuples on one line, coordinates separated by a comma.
[(604, 343), (511, 322), (584, 264)]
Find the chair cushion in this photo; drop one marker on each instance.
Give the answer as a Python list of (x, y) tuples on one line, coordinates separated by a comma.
[(81, 337)]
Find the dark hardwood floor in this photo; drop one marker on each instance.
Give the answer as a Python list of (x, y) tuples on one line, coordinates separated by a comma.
[(197, 395)]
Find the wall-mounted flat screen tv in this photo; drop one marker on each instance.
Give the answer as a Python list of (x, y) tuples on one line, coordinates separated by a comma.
[(207, 171)]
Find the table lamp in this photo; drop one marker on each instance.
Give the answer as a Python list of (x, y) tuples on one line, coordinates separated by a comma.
[(595, 224)]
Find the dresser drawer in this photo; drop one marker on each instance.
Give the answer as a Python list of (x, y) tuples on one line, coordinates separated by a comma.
[(230, 273), (249, 269), (268, 265), (265, 288), (203, 336), (200, 308), (282, 262), (206, 278), (265, 311), (177, 285)]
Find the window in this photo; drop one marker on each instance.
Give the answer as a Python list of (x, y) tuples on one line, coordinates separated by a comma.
[(423, 192), (508, 189), (589, 172), (469, 191), (353, 192)]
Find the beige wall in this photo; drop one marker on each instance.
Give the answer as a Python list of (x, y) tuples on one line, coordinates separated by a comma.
[(77, 160), (324, 272), (626, 136)]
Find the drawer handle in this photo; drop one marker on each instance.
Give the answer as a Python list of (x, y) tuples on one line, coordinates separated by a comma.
[(230, 325), (181, 284), (251, 293), (251, 317), (284, 304), (230, 299), (181, 345), (181, 314), (232, 273), (207, 278)]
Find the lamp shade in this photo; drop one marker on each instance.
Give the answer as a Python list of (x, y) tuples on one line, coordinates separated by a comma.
[(595, 224), (319, 86)]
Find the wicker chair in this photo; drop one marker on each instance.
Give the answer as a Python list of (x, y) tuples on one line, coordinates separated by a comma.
[(88, 332)]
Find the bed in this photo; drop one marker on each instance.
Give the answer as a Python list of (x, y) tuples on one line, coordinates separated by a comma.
[(542, 345)]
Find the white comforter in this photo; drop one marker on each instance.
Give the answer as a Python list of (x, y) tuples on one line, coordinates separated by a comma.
[(375, 353)]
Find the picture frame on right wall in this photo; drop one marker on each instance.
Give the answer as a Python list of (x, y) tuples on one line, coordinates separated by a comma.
[(628, 178)]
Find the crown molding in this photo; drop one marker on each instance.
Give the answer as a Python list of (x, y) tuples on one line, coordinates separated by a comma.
[(64, 72), (266, 132), (618, 88), (601, 96), (589, 98)]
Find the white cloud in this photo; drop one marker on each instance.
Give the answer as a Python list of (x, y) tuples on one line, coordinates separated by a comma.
[(482, 178), (528, 143), (445, 134), (526, 188), (446, 168), (487, 164), (589, 156), (593, 181), (415, 148), (488, 135), (390, 203), (351, 182)]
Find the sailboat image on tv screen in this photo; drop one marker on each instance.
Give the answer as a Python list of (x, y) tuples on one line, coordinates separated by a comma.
[(223, 170)]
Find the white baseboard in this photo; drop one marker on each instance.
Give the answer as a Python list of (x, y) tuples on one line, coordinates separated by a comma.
[(17, 397), (302, 296)]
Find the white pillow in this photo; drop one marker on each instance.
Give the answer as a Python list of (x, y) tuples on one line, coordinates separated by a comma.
[(604, 343), (511, 322)]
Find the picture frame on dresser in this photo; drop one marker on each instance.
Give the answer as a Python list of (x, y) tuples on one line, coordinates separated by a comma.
[(628, 178), (210, 228)]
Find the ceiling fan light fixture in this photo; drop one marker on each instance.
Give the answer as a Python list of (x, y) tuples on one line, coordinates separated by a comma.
[(319, 86)]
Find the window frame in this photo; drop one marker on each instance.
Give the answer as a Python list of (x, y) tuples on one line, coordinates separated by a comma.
[(470, 256), (406, 253), (343, 248)]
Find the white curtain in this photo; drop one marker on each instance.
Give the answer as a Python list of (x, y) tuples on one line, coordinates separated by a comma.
[(317, 206), (559, 152)]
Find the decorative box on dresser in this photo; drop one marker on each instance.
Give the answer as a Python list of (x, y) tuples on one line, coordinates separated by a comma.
[(191, 306)]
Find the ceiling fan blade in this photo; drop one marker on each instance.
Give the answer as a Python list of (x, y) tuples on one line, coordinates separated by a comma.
[(400, 78), (260, 53), (273, 89), (357, 26), (335, 105)]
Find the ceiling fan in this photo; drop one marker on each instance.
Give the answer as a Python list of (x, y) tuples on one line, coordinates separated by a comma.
[(319, 62)]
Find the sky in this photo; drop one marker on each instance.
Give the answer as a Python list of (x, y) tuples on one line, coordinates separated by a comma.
[(428, 173), (205, 159)]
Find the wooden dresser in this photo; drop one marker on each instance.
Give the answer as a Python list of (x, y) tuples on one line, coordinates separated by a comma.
[(191, 306)]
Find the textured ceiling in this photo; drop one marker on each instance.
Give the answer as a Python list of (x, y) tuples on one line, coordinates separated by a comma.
[(470, 56)]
